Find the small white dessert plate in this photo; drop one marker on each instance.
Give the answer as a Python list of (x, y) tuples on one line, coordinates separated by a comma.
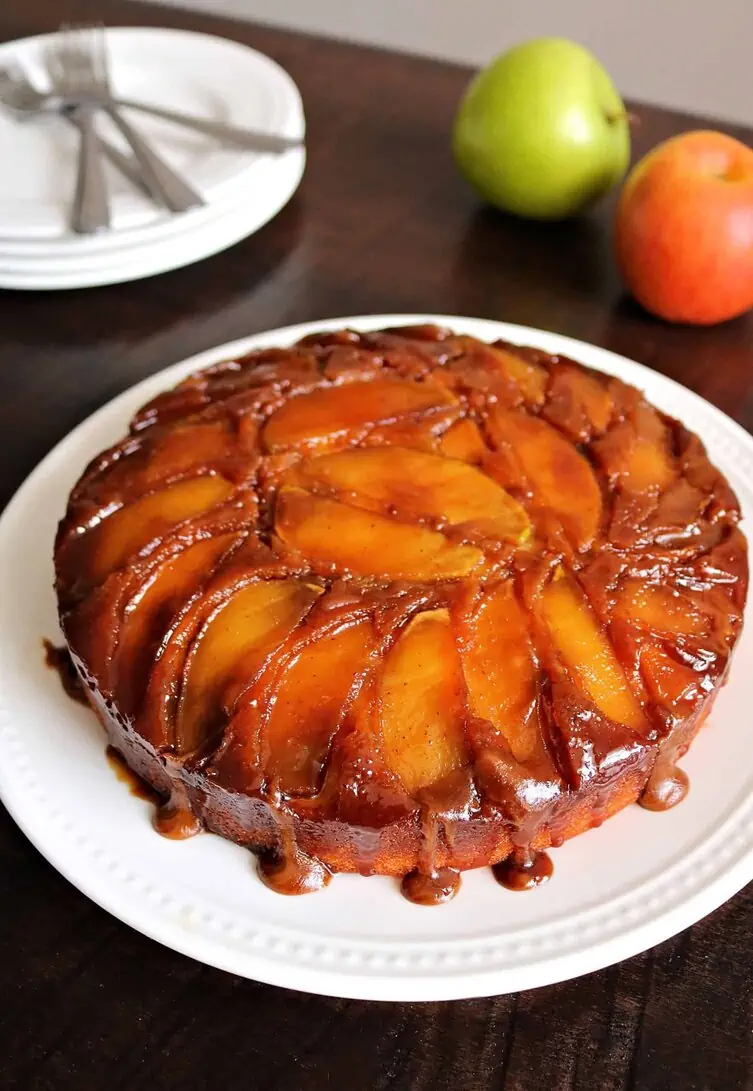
[(617, 890), (199, 74)]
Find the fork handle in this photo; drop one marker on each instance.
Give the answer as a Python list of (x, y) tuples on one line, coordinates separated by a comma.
[(126, 164), (220, 130), (91, 206), (165, 185)]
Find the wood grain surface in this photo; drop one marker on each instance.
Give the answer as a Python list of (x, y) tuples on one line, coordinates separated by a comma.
[(382, 222)]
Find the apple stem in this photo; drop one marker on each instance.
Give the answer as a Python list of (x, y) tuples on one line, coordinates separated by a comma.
[(625, 115)]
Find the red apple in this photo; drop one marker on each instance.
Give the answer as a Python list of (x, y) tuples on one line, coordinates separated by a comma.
[(684, 230)]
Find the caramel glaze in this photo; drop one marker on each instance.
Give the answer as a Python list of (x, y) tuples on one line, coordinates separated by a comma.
[(293, 873), (136, 785), (431, 889), (524, 870), (444, 805), (623, 507), (665, 791), (59, 660), (285, 867), (174, 818)]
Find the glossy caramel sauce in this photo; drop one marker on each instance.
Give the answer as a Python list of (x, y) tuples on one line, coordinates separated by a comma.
[(59, 660), (175, 820), (524, 871), (665, 791), (405, 597), (293, 873), (434, 889), (136, 785)]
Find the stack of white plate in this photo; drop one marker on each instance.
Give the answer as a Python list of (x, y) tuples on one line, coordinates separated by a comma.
[(195, 73)]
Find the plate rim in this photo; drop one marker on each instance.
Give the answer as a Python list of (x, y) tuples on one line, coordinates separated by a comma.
[(223, 232), (367, 978)]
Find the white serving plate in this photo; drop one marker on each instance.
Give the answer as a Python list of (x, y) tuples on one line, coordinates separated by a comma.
[(617, 890)]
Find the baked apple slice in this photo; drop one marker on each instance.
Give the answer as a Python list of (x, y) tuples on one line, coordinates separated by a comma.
[(500, 671), (463, 440), (583, 647), (310, 703), (144, 462), (577, 402), (531, 379), (637, 454), (560, 478), (422, 703), (336, 537), (661, 609), (131, 528), (419, 433), (230, 649), (331, 411), (418, 484), (147, 616), (670, 683)]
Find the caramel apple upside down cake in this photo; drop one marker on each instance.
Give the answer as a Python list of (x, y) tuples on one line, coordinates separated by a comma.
[(401, 603)]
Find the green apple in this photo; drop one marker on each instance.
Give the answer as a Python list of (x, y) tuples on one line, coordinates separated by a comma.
[(542, 132)]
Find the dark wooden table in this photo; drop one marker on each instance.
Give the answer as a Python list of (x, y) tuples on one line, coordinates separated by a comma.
[(381, 223)]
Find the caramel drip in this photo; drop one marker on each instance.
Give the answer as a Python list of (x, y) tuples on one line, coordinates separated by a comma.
[(427, 861), (429, 884), (59, 660), (136, 785), (293, 873), (523, 870), (434, 888), (174, 818), (667, 787), (287, 869)]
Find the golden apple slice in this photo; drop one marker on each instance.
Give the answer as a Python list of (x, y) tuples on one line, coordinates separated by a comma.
[(177, 451), (149, 518), (330, 411), (585, 650), (500, 671), (309, 706), (560, 477), (150, 611), (637, 453), (463, 440), (661, 609), (531, 379), (649, 467), (577, 402), (670, 683), (419, 484), (418, 433), (335, 536), (230, 649), (422, 703)]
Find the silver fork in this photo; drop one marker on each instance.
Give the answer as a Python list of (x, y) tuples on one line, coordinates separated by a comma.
[(91, 205), (251, 139), (19, 95), (85, 52)]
